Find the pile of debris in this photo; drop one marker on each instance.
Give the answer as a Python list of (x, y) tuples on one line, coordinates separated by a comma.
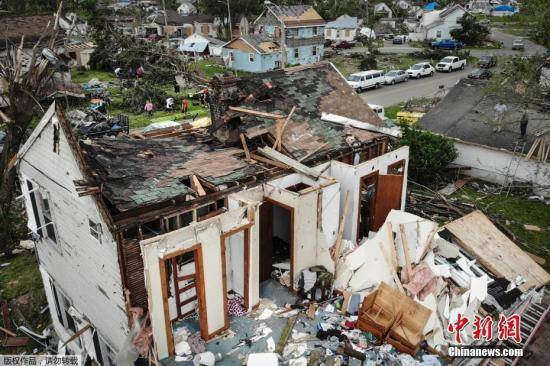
[(93, 123), (400, 297)]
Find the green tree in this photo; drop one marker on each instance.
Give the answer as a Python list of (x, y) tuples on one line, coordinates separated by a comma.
[(429, 154), (537, 15), (471, 33)]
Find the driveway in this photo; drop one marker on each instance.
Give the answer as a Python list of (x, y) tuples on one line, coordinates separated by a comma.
[(498, 35), (404, 48), (415, 88)]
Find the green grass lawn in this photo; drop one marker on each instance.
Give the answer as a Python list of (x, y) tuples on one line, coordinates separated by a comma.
[(391, 111), (20, 282), (516, 211), (139, 120), (208, 68)]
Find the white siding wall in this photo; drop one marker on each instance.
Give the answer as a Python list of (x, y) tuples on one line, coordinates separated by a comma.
[(501, 166), (86, 270), (449, 23)]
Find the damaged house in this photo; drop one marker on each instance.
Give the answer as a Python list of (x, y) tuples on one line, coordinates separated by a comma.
[(184, 225)]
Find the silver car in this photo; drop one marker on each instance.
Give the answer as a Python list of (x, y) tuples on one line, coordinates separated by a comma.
[(395, 76)]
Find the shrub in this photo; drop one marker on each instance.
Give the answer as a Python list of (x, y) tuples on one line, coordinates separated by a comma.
[(368, 63), (429, 154)]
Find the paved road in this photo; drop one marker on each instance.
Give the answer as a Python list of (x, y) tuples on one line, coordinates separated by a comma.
[(426, 87), (498, 35)]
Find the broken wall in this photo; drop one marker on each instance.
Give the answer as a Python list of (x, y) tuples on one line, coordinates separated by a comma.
[(207, 234), (84, 268), (349, 177), (315, 211)]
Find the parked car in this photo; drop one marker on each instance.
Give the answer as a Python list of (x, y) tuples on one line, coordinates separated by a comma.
[(379, 110), (450, 63), (480, 74), (487, 61), (396, 76), (447, 44), (397, 40), (366, 79), (518, 45), (421, 69), (343, 45)]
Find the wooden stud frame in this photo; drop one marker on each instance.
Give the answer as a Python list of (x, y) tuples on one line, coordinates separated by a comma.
[(246, 277), (199, 273)]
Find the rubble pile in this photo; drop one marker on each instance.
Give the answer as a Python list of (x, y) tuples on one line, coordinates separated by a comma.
[(93, 123), (397, 299)]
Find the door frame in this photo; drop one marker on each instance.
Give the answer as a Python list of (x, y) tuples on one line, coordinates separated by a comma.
[(246, 276), (375, 173), (291, 210), (199, 280)]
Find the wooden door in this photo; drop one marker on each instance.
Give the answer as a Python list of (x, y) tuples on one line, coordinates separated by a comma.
[(388, 197), (266, 240)]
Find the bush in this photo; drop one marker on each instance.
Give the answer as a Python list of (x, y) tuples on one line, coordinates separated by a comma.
[(429, 154), (368, 63)]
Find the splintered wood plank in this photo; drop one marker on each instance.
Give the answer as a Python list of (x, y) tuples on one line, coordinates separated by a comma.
[(245, 147), (196, 186), (495, 251), (285, 335), (256, 113), (294, 164)]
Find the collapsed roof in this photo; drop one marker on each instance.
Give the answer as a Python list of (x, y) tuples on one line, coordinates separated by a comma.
[(296, 15), (140, 172), (314, 90)]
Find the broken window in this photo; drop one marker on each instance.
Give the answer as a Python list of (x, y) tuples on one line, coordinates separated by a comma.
[(62, 305), (178, 221), (95, 229), (41, 211)]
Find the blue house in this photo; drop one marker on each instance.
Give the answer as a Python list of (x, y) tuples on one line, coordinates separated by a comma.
[(252, 53)]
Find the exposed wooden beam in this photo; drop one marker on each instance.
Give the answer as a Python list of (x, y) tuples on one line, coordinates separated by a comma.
[(245, 147), (196, 186), (294, 164), (256, 113), (340, 235), (281, 129), (268, 161), (319, 148)]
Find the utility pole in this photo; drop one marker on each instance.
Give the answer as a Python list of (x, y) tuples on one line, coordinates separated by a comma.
[(229, 20), (166, 25)]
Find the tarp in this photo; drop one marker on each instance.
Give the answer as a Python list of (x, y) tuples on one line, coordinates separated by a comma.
[(160, 125), (431, 6), (504, 8), (193, 47)]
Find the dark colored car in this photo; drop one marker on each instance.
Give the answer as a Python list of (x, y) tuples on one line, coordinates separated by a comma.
[(487, 61), (480, 74), (343, 45), (397, 40)]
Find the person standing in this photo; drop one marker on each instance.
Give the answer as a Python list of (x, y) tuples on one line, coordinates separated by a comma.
[(149, 108), (170, 104), (500, 109), (523, 123), (184, 106)]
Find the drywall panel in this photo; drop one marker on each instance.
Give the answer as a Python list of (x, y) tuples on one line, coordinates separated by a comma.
[(208, 234), (328, 230), (349, 178)]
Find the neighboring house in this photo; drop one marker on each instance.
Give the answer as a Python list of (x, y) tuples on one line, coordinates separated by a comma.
[(503, 11), (383, 9), (186, 9), (197, 44), (125, 24), (80, 53), (299, 30), (383, 30), (181, 26), (344, 28), (392, 22), (405, 5), (32, 28), (203, 24), (123, 224), (467, 115), (252, 53), (438, 24), (479, 7)]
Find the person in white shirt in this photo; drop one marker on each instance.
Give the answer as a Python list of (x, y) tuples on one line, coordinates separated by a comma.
[(500, 110)]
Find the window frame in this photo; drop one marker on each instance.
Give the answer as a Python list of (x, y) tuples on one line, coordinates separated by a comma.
[(252, 57), (94, 231), (296, 52)]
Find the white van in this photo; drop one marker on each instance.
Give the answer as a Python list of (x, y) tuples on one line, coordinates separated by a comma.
[(379, 110), (366, 79)]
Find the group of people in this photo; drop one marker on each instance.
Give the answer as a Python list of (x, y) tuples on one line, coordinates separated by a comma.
[(133, 72), (170, 106)]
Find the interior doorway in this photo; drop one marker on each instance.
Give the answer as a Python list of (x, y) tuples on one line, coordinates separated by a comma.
[(182, 281), (276, 239), (368, 186), (235, 251)]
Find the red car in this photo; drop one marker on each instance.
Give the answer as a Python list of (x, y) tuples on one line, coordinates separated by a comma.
[(343, 45)]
